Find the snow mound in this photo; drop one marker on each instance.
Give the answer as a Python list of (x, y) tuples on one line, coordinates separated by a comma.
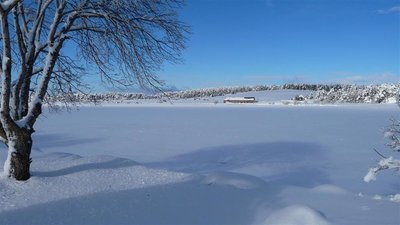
[(395, 198), (296, 215), (330, 189), (240, 181)]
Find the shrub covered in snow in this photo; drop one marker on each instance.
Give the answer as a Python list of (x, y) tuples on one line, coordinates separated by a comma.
[(299, 98), (393, 134), (383, 93)]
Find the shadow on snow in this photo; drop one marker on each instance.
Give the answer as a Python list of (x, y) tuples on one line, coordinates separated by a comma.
[(111, 164), (180, 203), (289, 163), (60, 140), (190, 202)]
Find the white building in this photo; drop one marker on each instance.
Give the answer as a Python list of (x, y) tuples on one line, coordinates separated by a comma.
[(240, 100)]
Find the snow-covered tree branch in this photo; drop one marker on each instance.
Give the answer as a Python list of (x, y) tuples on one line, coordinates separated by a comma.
[(393, 134), (135, 37), (383, 164)]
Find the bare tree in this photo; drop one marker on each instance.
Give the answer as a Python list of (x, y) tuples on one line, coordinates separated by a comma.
[(133, 36)]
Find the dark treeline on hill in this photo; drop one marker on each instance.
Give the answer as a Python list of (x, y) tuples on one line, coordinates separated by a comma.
[(320, 93)]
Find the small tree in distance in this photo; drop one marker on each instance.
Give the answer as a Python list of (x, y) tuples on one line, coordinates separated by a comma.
[(135, 36)]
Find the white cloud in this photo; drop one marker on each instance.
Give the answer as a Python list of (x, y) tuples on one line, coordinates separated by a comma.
[(394, 9), (285, 79), (369, 79), (333, 78)]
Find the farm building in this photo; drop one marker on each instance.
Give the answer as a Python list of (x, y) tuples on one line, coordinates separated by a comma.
[(240, 100)]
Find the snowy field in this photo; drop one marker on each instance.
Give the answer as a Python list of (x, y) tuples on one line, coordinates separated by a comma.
[(272, 164)]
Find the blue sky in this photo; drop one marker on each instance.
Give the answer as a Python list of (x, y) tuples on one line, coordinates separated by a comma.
[(248, 42)]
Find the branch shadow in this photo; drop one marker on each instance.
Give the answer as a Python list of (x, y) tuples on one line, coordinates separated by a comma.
[(189, 202), (110, 164)]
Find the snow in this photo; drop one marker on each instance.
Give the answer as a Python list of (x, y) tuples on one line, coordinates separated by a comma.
[(377, 197), (370, 176), (276, 97), (7, 163), (296, 214), (62, 176), (386, 163), (24, 121), (240, 181), (202, 164), (330, 189), (7, 4), (395, 198), (311, 93)]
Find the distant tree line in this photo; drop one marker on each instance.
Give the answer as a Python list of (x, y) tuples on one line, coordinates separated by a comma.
[(320, 93)]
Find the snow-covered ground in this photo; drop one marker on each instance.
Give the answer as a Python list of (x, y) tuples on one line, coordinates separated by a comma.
[(194, 163)]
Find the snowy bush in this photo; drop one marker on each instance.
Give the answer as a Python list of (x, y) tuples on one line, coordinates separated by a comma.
[(393, 134), (299, 98), (383, 93), (383, 164)]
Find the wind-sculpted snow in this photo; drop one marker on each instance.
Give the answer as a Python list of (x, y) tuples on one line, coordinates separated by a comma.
[(319, 93)]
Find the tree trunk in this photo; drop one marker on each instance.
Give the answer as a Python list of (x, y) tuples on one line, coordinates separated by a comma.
[(18, 161)]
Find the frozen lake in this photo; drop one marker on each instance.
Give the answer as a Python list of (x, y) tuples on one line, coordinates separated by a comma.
[(290, 153)]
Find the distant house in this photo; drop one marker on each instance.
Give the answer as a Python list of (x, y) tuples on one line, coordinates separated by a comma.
[(240, 100)]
